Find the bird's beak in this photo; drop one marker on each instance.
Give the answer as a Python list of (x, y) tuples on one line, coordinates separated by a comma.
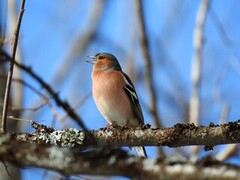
[(92, 61)]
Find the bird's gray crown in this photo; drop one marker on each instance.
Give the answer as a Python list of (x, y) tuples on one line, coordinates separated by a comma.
[(115, 64)]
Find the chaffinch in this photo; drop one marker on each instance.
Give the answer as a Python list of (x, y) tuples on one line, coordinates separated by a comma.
[(114, 94)]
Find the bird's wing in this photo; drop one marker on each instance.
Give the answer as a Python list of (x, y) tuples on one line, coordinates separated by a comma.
[(131, 93)]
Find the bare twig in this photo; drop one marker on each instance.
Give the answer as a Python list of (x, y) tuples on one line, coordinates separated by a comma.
[(53, 94), (6, 169), (62, 118), (227, 152), (42, 95), (28, 85), (81, 40), (225, 114), (230, 149), (76, 106), (16, 89), (10, 72), (153, 108), (20, 119), (194, 106), (149, 70), (220, 27)]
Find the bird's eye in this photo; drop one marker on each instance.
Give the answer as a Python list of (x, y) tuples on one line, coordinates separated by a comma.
[(100, 57)]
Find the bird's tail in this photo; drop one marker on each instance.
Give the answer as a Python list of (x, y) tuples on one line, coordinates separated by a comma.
[(141, 152)]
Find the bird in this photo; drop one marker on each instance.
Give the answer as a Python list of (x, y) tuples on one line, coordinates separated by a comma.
[(114, 94)]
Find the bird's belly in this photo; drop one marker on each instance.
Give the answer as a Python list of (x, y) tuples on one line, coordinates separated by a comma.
[(114, 106)]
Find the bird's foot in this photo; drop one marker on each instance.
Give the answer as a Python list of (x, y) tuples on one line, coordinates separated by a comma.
[(111, 126)]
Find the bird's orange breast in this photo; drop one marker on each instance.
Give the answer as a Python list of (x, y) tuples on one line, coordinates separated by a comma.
[(110, 98)]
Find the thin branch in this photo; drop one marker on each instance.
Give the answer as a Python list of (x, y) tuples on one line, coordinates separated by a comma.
[(194, 106), (230, 149), (28, 85), (53, 94), (227, 152), (222, 31), (153, 108), (149, 69), (225, 114), (6, 169), (81, 40), (16, 89), (79, 103), (43, 96), (10, 72), (20, 119)]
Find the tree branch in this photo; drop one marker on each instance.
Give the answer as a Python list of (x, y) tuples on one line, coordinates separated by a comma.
[(16, 88), (10, 72), (149, 69), (177, 136), (194, 107), (196, 74), (107, 162), (48, 88)]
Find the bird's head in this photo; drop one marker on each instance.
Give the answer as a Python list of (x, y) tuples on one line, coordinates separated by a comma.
[(105, 61)]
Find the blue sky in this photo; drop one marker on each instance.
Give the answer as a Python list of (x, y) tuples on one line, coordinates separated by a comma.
[(50, 29)]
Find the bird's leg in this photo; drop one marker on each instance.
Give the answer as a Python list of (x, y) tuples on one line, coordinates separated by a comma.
[(111, 126)]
